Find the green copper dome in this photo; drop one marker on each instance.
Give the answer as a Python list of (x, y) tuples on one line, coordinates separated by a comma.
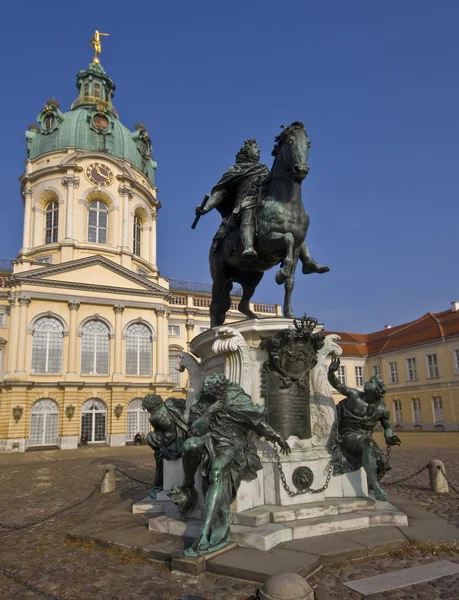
[(91, 124)]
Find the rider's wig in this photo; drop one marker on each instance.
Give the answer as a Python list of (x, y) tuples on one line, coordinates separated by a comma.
[(243, 154)]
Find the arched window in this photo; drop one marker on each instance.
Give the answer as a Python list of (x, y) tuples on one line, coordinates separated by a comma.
[(138, 350), (52, 218), (94, 420), (47, 346), (95, 348), (97, 222), (173, 360), (137, 419), (44, 420), (137, 235)]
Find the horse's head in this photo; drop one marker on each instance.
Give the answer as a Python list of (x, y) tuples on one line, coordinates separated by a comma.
[(292, 147)]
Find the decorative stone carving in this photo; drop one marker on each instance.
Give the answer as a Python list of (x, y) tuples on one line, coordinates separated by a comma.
[(125, 190), (285, 376), (24, 300), (71, 181), (187, 361), (73, 304), (239, 364), (160, 312), (154, 215), (189, 325), (118, 309), (322, 405), (27, 191)]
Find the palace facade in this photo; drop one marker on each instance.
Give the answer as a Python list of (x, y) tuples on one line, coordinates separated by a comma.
[(88, 326)]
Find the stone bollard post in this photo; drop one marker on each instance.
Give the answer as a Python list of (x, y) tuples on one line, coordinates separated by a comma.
[(438, 482), (109, 481), (286, 586)]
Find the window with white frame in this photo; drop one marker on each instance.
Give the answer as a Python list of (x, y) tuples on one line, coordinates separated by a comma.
[(47, 346), (94, 420), (456, 360), (174, 330), (173, 373), (51, 222), (97, 222), (432, 365), (359, 375), (95, 348), (398, 417), (393, 372), (437, 407), (416, 406), (137, 419), (44, 260), (137, 237), (341, 374), (411, 370), (202, 329), (376, 370), (44, 423), (138, 349), (2, 319)]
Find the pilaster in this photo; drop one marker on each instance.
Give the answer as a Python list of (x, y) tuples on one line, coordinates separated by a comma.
[(70, 182), (71, 374), (154, 218), (10, 358), (20, 372), (118, 309), (162, 345), (28, 194), (126, 194)]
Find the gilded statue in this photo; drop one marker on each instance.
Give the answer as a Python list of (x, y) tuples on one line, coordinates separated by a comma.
[(95, 42)]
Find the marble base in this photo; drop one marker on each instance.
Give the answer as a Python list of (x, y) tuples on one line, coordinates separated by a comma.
[(116, 439), (69, 442), (259, 533), (13, 445)]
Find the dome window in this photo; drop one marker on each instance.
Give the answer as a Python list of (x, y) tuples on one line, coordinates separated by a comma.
[(100, 122)]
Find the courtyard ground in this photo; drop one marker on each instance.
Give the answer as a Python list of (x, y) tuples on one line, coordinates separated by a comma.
[(35, 484)]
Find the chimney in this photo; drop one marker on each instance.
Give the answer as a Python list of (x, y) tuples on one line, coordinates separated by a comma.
[(387, 326), (454, 306)]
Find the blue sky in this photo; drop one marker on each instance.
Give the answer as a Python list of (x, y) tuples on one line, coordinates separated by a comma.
[(376, 84)]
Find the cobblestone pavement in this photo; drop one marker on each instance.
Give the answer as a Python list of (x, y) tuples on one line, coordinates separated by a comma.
[(36, 484)]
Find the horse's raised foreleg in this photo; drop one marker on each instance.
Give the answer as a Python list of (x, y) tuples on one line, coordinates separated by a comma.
[(221, 298), (309, 264), (289, 285), (249, 284), (287, 262)]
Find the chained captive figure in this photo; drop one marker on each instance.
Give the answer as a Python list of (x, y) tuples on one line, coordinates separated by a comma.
[(235, 197), (223, 428), (352, 445)]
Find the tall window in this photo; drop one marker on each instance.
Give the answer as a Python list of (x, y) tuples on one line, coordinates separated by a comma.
[(47, 346), (137, 419), (44, 419), (437, 406), (94, 420), (377, 370), (411, 369), (359, 375), (341, 374), (137, 235), (173, 373), (432, 365), (393, 372), (95, 348), (51, 218), (456, 360), (138, 350), (96, 89), (97, 222), (398, 418), (417, 417)]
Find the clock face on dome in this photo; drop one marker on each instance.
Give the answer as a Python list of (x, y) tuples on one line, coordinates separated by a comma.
[(99, 174)]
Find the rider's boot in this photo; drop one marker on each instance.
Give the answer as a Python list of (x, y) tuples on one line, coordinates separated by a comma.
[(247, 235)]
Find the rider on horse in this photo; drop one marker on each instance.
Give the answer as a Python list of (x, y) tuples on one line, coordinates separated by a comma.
[(235, 197)]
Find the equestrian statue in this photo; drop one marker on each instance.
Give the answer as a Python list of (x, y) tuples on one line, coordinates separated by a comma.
[(264, 223)]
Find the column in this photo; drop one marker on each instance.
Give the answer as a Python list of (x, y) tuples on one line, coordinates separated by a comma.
[(189, 326), (162, 345), (72, 363), (70, 182), (118, 309), (154, 218), (27, 193), (24, 302), (126, 194)]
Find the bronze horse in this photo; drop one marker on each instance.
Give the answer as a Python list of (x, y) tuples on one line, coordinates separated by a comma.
[(282, 224)]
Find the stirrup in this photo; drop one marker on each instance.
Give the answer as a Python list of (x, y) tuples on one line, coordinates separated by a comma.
[(249, 254)]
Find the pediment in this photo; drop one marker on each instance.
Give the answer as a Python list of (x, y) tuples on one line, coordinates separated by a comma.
[(94, 272)]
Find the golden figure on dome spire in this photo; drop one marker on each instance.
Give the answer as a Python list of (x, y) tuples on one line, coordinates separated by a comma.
[(95, 41)]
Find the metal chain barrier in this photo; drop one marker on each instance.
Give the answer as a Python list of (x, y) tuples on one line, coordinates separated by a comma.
[(29, 586), (403, 479), (18, 527), (149, 483), (448, 481), (286, 486)]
